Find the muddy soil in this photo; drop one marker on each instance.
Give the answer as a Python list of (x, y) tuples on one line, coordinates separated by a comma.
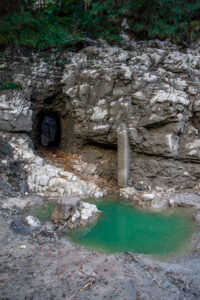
[(36, 269)]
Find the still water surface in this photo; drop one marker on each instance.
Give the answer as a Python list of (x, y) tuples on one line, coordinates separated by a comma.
[(124, 227)]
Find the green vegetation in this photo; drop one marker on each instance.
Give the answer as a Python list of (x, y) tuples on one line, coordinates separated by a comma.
[(175, 19), (64, 22), (36, 31), (9, 85)]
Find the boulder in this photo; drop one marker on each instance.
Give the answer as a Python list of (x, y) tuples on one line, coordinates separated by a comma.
[(33, 222), (88, 213), (62, 213), (74, 215)]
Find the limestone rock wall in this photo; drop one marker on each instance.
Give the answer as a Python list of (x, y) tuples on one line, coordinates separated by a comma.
[(39, 75), (154, 90), (150, 88)]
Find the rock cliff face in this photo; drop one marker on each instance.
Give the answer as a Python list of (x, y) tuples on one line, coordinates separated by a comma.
[(153, 91), (150, 89)]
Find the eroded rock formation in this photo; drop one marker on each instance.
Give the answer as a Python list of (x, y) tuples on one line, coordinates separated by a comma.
[(151, 89)]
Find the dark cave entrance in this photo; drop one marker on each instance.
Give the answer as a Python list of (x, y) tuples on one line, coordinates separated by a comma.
[(47, 129)]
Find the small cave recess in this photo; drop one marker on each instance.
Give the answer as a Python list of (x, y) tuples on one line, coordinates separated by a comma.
[(56, 111), (47, 129)]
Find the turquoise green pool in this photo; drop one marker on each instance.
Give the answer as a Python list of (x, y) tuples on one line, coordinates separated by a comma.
[(123, 227)]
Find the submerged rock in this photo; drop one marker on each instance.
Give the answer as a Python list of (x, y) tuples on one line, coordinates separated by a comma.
[(21, 203), (70, 200)]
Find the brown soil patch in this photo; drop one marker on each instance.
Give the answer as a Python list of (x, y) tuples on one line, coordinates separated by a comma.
[(67, 160), (62, 159)]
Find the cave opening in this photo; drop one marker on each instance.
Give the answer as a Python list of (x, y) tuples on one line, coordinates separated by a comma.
[(48, 128)]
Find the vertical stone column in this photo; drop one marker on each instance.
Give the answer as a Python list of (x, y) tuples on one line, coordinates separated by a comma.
[(123, 158)]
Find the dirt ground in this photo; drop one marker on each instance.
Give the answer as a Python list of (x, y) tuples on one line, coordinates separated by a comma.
[(37, 269)]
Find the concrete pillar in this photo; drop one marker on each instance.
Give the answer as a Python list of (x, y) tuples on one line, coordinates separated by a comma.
[(123, 158)]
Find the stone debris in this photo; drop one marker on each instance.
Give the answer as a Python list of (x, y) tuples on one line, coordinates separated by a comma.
[(19, 227), (46, 179), (161, 199), (46, 234), (33, 222)]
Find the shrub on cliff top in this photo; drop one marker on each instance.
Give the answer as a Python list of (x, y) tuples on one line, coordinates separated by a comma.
[(178, 20), (61, 22)]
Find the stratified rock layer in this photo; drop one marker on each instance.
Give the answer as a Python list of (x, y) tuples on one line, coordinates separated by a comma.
[(152, 89)]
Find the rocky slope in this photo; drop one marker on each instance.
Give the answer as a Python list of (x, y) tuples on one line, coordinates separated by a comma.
[(23, 172)]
